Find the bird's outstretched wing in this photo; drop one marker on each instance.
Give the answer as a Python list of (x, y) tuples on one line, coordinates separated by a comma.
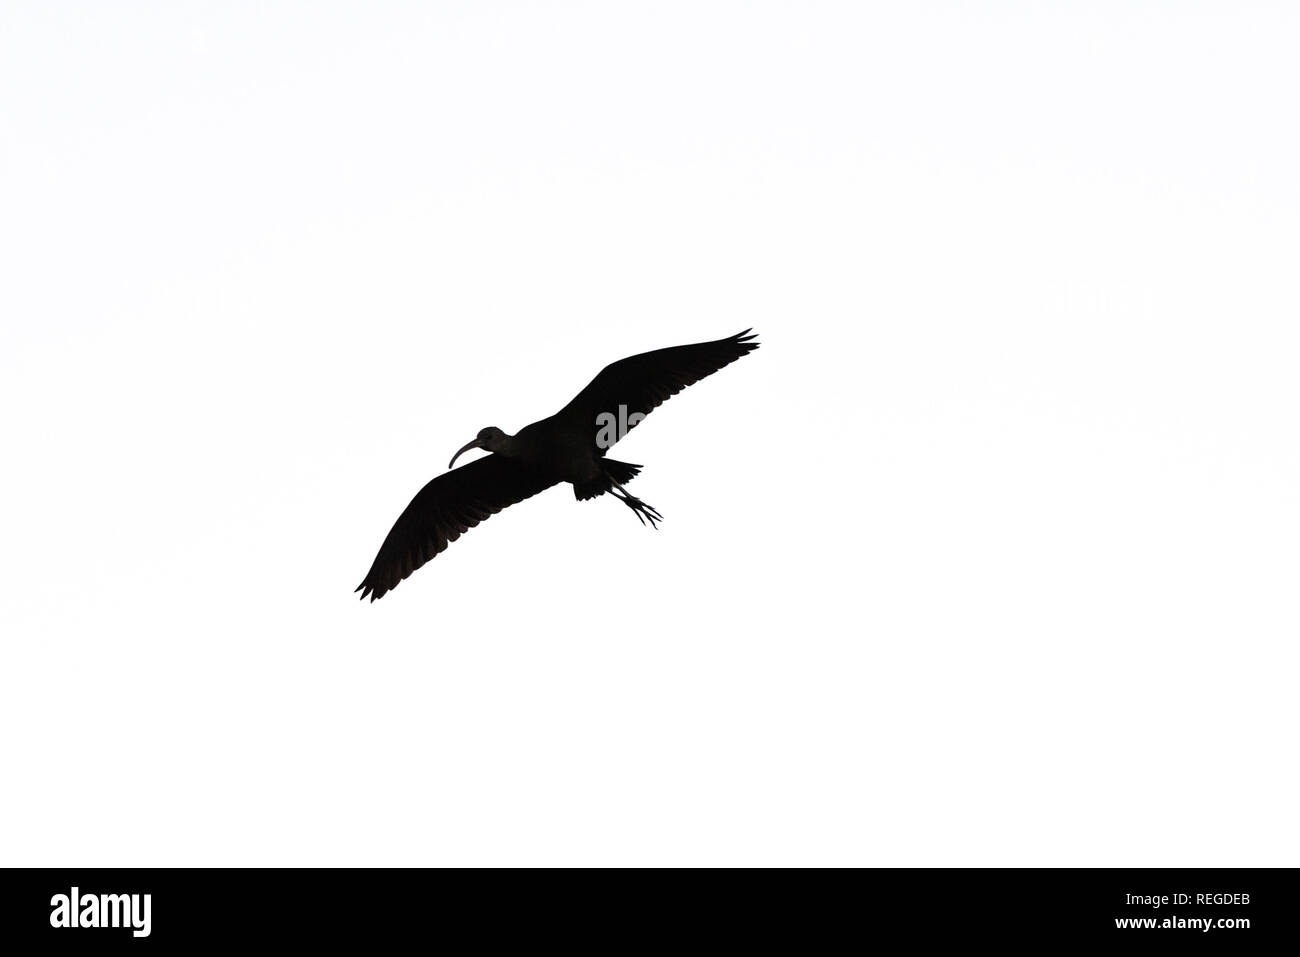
[(444, 510), (644, 382)]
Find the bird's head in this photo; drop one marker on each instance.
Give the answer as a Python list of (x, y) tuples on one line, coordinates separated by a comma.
[(492, 439)]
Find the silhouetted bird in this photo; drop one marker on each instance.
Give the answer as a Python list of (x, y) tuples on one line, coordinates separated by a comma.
[(569, 447)]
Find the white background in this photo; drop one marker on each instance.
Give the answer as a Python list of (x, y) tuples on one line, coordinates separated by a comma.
[(988, 556)]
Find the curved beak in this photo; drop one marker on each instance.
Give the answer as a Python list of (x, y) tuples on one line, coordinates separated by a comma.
[(472, 445)]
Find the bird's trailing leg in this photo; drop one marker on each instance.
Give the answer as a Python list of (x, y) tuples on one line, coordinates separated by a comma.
[(643, 511)]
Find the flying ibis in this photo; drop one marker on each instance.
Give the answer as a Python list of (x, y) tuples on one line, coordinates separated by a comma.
[(569, 446)]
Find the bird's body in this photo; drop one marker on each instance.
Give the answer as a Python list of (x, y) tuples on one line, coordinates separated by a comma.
[(569, 446), (560, 451)]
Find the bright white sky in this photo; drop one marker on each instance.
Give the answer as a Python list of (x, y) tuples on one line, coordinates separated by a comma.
[(988, 556)]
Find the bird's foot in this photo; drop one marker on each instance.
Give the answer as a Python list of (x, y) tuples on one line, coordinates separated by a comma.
[(644, 512)]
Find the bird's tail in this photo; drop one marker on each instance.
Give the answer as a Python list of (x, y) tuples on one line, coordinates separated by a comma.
[(620, 472), (612, 475)]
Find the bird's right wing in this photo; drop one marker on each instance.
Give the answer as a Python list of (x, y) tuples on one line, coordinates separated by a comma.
[(644, 382), (444, 510)]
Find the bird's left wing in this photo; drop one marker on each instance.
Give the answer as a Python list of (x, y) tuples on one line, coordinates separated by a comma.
[(640, 384), (444, 510)]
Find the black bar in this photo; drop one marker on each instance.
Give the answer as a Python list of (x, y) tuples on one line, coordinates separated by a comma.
[(368, 909)]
